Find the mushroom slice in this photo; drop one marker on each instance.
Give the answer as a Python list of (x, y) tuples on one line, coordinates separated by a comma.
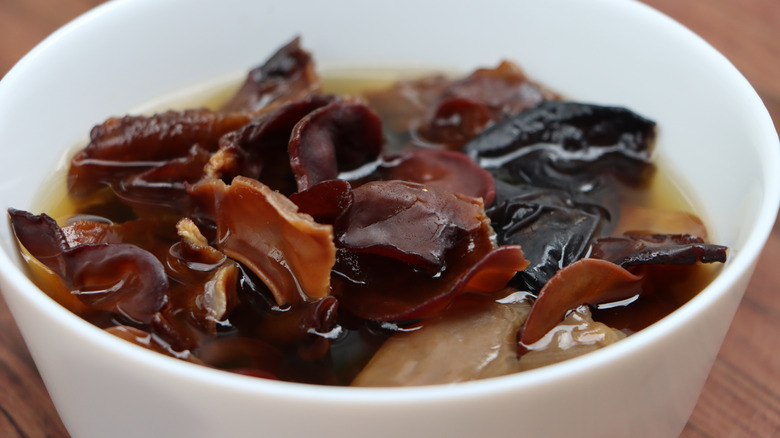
[(325, 201), (471, 340), (586, 281), (259, 149), (407, 250), (287, 250), (445, 169), (410, 222), (164, 187), (193, 252), (576, 335), (669, 249), (216, 294), (219, 290), (121, 147), (289, 74), (467, 106), (338, 137), (114, 277), (119, 278)]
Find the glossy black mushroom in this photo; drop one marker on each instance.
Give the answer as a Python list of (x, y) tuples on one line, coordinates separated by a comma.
[(548, 224), (567, 145)]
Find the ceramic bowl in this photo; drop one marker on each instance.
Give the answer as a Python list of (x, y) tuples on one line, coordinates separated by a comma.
[(715, 137)]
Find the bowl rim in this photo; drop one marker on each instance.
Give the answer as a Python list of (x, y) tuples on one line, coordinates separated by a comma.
[(731, 273)]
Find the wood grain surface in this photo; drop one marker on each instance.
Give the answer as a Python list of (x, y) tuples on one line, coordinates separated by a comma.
[(742, 395)]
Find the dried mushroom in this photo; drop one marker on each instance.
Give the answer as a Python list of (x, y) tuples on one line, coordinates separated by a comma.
[(481, 343), (576, 335), (263, 230), (288, 75)]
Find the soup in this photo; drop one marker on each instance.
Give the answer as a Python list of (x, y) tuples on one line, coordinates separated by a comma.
[(429, 230)]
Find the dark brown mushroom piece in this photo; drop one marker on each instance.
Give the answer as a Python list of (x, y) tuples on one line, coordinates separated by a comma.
[(407, 250), (644, 249), (605, 278), (586, 281), (263, 230), (259, 149), (469, 105), (325, 201), (163, 187), (114, 277), (121, 147), (286, 76), (338, 137), (390, 290), (153, 234), (410, 222), (441, 168), (205, 285), (304, 330)]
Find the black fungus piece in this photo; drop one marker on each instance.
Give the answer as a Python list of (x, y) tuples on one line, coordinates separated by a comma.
[(406, 221), (42, 238), (163, 187), (586, 281), (661, 249), (377, 288), (551, 228), (567, 145), (406, 251)]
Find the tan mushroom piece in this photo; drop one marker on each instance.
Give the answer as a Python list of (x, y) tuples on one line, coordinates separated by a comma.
[(576, 335), (261, 228), (461, 345)]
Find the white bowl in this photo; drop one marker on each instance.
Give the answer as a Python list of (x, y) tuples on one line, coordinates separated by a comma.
[(715, 136)]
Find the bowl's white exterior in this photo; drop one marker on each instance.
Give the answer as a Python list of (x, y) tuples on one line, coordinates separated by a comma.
[(715, 136)]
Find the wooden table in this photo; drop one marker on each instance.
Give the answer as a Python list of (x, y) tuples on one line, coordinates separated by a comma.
[(742, 395)]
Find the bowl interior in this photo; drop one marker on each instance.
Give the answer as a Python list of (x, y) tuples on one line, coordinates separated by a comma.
[(715, 136)]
